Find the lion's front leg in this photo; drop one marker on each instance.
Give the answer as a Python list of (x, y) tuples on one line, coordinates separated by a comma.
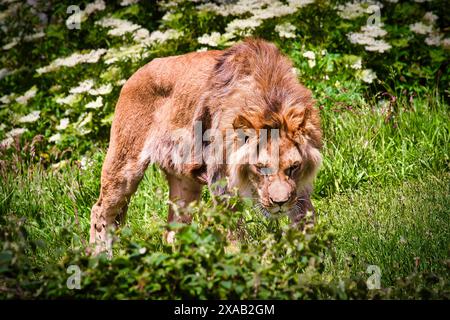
[(182, 191)]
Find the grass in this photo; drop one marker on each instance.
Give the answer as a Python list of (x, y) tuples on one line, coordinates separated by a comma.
[(400, 228), (372, 145), (383, 191)]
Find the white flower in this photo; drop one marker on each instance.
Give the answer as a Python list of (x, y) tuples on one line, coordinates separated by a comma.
[(430, 17), (83, 86), (368, 75), (34, 36), (378, 46), (69, 100), (55, 138), (95, 104), (4, 72), (309, 55), (7, 98), (373, 31), (119, 27), (72, 60), (125, 3), (202, 49), (236, 8), (244, 26), (299, 3), (144, 38), (16, 132), (121, 82), (355, 9), (359, 38), (141, 35), (85, 163), (446, 43), (275, 10), (27, 95), (14, 42), (264, 9), (255, 11), (133, 53), (285, 30), (31, 117), (420, 28), (163, 36), (102, 90), (6, 143), (28, 38), (434, 39), (63, 123), (367, 38), (97, 5), (211, 40), (311, 58)]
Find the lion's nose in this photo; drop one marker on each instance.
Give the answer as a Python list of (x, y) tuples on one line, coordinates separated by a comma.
[(279, 193)]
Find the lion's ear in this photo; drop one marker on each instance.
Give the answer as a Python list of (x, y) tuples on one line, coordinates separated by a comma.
[(296, 119), (242, 122)]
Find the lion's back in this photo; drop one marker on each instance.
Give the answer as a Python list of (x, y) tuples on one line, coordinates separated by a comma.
[(176, 81)]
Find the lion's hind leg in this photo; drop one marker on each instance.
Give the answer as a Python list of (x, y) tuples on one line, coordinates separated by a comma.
[(119, 181)]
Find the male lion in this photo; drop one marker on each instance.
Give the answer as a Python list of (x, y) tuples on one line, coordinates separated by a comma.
[(250, 87)]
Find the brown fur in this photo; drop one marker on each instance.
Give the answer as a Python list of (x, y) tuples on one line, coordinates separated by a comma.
[(248, 86)]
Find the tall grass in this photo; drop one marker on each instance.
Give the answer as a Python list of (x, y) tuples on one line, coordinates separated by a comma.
[(383, 145)]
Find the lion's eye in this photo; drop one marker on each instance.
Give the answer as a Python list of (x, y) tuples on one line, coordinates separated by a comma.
[(292, 169)]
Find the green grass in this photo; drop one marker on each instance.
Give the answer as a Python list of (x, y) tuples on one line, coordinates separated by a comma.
[(367, 146), (400, 228), (383, 192)]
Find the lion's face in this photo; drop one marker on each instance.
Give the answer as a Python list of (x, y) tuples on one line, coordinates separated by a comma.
[(278, 181), (278, 175)]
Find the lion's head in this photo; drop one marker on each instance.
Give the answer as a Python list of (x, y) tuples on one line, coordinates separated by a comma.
[(278, 160), (261, 99)]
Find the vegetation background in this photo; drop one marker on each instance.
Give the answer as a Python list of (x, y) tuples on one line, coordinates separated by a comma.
[(379, 71)]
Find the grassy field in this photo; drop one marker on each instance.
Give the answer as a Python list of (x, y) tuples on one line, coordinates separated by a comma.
[(383, 192), (382, 195)]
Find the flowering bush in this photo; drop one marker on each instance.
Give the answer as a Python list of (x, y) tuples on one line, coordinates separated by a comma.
[(63, 82)]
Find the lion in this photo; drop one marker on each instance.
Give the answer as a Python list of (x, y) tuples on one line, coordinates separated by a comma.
[(250, 90)]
